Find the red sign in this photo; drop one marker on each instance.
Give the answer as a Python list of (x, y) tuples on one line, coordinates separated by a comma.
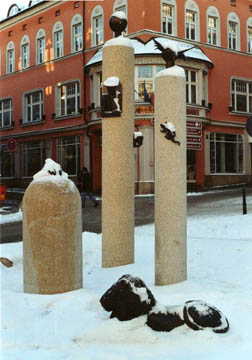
[(193, 139), (194, 131), (194, 124), (12, 145), (193, 146)]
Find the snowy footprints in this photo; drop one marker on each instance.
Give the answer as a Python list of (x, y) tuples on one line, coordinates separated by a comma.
[(129, 298)]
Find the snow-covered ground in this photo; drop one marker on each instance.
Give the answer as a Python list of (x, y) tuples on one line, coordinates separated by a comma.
[(75, 326)]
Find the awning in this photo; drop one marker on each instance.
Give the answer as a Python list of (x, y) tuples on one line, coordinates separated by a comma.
[(149, 48)]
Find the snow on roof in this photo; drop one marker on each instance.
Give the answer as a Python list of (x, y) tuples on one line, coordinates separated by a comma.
[(150, 49), (16, 7)]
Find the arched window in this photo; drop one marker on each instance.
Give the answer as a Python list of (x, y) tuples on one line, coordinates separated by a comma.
[(58, 40), (121, 5), (233, 26), (169, 17), (192, 21), (213, 26), (10, 58), (25, 52), (249, 35), (97, 26), (76, 33), (40, 46)]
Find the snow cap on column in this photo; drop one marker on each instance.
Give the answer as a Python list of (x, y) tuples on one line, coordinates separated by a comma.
[(172, 71)]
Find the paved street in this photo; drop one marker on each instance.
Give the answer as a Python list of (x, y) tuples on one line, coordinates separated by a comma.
[(203, 203)]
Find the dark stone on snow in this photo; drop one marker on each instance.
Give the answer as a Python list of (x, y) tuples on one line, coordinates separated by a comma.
[(128, 298), (166, 320), (199, 315)]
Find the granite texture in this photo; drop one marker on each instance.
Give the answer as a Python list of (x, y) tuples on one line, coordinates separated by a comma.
[(52, 238), (170, 182), (118, 163)]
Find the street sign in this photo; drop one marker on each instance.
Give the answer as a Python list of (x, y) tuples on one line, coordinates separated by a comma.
[(194, 124), (194, 135), (194, 131), (193, 139), (193, 146), (11, 145)]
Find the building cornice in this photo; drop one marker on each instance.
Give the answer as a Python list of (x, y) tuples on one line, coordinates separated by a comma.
[(27, 13)]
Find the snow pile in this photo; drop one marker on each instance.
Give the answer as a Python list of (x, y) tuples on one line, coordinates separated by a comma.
[(119, 41), (112, 81), (75, 326), (52, 172), (172, 71)]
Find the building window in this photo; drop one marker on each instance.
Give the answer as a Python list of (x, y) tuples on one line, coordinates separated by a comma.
[(5, 112), (40, 46), (226, 153), (69, 95), (77, 37), (191, 86), (121, 5), (213, 26), (68, 154), (7, 163), (233, 32), (212, 30), (10, 60), (33, 157), (232, 35), (97, 26), (241, 92), (192, 21), (190, 25), (58, 44), (168, 13), (96, 81), (145, 75), (25, 52), (33, 106), (250, 39)]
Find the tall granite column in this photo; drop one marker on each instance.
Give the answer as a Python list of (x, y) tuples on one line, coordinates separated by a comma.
[(170, 177), (117, 159)]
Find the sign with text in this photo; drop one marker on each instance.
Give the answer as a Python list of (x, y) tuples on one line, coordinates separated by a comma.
[(194, 135)]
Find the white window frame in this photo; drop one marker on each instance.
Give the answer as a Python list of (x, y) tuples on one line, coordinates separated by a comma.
[(97, 34), (169, 19), (58, 44), (249, 35), (192, 7), (190, 84), (243, 88), (3, 111), (96, 81), (76, 38), (40, 47), (212, 12), (28, 149), (63, 97), (61, 144), (233, 36), (30, 103), (25, 52), (121, 5), (155, 70), (10, 62), (239, 143)]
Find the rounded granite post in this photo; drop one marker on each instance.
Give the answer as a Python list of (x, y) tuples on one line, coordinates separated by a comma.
[(170, 177), (118, 158), (52, 233)]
